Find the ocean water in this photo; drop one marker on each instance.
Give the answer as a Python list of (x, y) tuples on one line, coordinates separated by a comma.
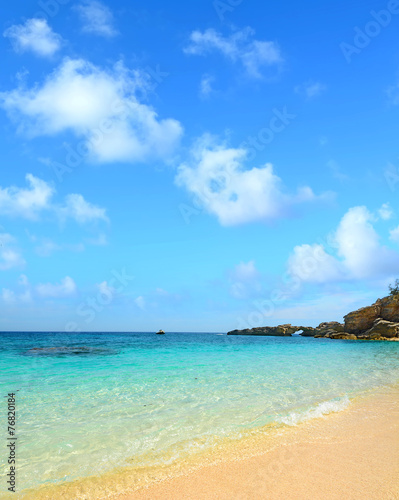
[(89, 403)]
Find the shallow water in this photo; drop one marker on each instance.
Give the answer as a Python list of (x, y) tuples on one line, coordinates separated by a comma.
[(88, 403)]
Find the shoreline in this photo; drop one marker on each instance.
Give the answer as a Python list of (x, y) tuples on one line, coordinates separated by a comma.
[(354, 452)]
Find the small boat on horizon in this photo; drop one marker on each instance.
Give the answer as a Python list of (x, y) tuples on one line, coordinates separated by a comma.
[(160, 332)]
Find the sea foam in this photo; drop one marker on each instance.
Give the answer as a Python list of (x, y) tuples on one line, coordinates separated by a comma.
[(322, 409)]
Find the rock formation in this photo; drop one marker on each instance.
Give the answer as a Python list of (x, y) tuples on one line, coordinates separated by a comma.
[(380, 321), (268, 331)]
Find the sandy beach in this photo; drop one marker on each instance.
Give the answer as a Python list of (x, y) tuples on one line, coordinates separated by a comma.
[(353, 454)]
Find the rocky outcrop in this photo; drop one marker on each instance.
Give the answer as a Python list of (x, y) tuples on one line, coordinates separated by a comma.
[(268, 331), (380, 321), (342, 336), (308, 331), (381, 328), (363, 319), (390, 308)]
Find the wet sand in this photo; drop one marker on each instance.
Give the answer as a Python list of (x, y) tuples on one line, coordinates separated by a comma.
[(349, 455)]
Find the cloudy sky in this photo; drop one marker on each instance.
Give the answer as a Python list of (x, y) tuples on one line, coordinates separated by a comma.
[(196, 166)]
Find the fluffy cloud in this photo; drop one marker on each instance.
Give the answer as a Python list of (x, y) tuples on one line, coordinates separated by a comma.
[(98, 106), (26, 202), (10, 257), (9, 297), (35, 36), (77, 208), (357, 249), (97, 18), (310, 89), (217, 179), (30, 202), (385, 212), (253, 54), (65, 288)]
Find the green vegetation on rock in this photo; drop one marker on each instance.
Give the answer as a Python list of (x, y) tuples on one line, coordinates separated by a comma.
[(394, 290)]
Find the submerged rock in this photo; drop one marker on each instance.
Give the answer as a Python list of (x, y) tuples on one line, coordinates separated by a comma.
[(68, 350)]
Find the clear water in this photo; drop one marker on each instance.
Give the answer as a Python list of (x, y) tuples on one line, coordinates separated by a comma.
[(104, 400)]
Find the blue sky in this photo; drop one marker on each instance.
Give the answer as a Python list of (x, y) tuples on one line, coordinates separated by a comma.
[(198, 166)]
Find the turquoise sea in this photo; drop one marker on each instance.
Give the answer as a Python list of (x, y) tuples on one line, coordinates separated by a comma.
[(88, 403)]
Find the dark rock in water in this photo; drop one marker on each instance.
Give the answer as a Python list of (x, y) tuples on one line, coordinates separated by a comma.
[(268, 331), (69, 351)]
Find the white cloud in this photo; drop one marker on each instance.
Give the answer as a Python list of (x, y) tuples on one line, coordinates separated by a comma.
[(100, 107), (206, 85), (65, 288), (310, 89), (140, 302), (385, 212), (97, 18), (105, 289), (358, 253), (35, 36), (77, 208), (245, 271), (30, 202), (217, 179), (394, 234), (9, 256), (27, 203), (23, 280), (253, 54), (312, 263), (8, 296)]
